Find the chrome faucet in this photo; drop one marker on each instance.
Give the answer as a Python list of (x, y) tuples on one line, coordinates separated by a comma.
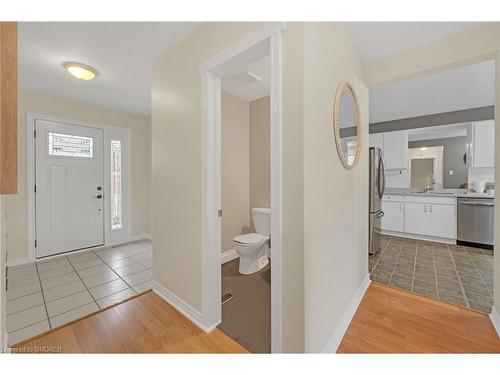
[(430, 182)]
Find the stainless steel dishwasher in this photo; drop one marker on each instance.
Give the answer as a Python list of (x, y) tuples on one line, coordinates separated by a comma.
[(475, 221)]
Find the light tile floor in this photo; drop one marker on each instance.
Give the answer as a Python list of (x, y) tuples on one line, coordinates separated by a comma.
[(456, 274), (47, 294)]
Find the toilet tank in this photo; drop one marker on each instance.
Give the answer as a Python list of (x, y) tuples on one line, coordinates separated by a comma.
[(262, 221)]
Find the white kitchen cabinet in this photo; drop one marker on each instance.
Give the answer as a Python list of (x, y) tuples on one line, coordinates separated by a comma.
[(430, 216), (394, 216), (483, 144), (416, 218), (441, 220), (395, 149), (377, 140)]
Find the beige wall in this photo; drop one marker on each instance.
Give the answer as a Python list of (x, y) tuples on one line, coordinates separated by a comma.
[(15, 205), (235, 151), (335, 199), (260, 153), (177, 136)]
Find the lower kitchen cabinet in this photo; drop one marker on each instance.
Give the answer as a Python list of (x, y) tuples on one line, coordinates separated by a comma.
[(416, 218), (441, 220), (394, 216), (432, 217)]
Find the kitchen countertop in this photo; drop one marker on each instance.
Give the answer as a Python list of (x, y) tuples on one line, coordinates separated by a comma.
[(462, 193)]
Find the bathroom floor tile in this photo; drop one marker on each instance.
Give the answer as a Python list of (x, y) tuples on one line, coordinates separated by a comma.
[(130, 269), (22, 280), (88, 264), (139, 288), (49, 264), (53, 272), (121, 262)]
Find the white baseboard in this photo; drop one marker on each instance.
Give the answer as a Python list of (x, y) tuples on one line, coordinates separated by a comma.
[(17, 262), (228, 256), (450, 241), (340, 330), (142, 236), (182, 306), (495, 320)]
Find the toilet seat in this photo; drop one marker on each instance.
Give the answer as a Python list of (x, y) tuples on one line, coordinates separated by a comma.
[(249, 239)]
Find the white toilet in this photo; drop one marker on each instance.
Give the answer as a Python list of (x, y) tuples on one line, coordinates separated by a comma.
[(253, 248)]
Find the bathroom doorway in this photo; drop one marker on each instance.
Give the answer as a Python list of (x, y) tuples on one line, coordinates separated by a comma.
[(245, 204), (259, 48)]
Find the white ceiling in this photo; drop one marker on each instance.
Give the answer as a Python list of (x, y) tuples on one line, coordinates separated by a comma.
[(255, 90), (122, 53), (377, 40), (462, 88)]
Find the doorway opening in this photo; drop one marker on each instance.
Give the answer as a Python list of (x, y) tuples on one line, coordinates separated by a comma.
[(264, 42)]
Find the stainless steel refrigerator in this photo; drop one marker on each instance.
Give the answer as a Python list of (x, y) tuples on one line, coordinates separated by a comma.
[(377, 186)]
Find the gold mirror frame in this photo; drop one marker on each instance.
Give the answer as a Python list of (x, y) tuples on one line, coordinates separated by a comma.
[(336, 124)]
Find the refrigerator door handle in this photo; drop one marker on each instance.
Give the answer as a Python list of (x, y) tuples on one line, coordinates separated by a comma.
[(381, 177)]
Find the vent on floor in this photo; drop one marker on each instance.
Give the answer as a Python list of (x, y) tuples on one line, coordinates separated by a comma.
[(226, 297)]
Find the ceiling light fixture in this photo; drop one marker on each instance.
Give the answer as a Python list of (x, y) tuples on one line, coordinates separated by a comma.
[(80, 71)]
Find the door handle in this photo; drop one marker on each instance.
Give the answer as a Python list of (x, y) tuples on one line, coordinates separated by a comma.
[(380, 214), (98, 196)]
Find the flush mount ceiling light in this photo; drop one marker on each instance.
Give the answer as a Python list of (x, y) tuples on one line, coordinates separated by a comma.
[(80, 71)]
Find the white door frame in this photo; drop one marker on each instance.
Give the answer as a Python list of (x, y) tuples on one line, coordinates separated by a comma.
[(110, 132), (266, 38)]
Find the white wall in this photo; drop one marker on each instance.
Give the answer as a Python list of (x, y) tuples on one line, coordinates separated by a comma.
[(335, 199), (15, 205), (3, 313), (235, 174), (260, 153)]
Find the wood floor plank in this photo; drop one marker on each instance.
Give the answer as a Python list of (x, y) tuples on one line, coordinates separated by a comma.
[(391, 320), (145, 324)]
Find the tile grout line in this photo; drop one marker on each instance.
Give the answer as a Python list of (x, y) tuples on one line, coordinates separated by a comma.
[(395, 263), (118, 275), (435, 270), (458, 277), (87, 289), (380, 257), (414, 266), (43, 296), (479, 273)]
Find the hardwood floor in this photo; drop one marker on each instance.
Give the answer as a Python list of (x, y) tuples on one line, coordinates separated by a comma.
[(391, 320), (145, 324)]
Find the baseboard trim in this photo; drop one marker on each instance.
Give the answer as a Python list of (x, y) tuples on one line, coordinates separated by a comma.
[(142, 236), (16, 262), (182, 306), (449, 241), (495, 320), (340, 330), (228, 256)]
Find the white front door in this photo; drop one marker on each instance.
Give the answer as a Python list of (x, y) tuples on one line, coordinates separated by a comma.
[(69, 187)]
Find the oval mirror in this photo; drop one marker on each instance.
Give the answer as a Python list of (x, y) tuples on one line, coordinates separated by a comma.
[(347, 124)]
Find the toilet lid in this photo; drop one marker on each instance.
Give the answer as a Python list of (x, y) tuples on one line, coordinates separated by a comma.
[(249, 238)]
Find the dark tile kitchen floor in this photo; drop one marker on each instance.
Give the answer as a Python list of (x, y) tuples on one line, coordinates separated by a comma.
[(456, 274)]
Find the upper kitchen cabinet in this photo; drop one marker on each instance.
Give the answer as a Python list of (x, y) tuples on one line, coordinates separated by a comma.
[(377, 140), (395, 150), (483, 144), (8, 107)]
